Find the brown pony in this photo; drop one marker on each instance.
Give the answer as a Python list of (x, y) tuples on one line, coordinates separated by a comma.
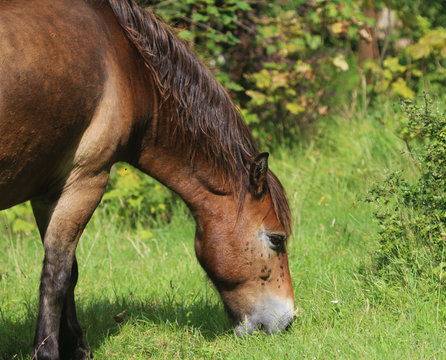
[(87, 83)]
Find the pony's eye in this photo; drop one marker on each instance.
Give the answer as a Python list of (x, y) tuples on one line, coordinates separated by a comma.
[(277, 240)]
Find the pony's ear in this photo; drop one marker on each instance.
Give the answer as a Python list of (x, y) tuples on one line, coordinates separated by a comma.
[(257, 174)]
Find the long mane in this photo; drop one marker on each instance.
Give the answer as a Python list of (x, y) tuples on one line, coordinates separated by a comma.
[(204, 112)]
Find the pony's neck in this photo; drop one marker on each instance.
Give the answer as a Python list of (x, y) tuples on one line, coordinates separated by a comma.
[(196, 187)]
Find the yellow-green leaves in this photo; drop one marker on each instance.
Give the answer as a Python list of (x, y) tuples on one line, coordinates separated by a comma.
[(432, 43), (389, 76), (400, 87), (340, 62), (294, 108)]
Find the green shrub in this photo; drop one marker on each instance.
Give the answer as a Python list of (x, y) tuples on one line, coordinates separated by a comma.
[(412, 216), (18, 219), (412, 53), (403, 72), (135, 197), (305, 67)]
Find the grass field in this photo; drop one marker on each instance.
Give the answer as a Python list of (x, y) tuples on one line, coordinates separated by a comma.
[(166, 308)]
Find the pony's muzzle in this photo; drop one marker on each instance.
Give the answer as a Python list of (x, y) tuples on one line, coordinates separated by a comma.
[(272, 316)]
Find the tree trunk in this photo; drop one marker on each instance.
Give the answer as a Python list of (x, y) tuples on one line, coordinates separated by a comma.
[(368, 44)]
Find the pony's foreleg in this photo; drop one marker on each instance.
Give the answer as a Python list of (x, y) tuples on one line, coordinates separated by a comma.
[(61, 217), (71, 344)]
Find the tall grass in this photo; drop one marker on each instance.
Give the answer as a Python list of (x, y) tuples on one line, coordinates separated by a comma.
[(143, 295)]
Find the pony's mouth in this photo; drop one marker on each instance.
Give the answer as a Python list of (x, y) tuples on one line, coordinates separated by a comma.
[(272, 317)]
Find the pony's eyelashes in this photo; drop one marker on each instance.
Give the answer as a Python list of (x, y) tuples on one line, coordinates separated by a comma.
[(276, 240)]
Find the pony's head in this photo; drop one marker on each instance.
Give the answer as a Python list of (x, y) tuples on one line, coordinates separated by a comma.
[(242, 247)]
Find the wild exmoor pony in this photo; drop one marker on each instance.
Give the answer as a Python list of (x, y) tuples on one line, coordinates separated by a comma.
[(87, 83)]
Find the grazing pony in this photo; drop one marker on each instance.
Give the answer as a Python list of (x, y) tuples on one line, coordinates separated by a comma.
[(87, 83)]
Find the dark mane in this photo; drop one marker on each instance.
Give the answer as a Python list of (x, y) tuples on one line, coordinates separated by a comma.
[(205, 114)]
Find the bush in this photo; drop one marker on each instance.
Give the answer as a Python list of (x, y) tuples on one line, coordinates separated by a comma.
[(135, 197), (18, 219), (412, 216), (304, 68), (412, 52)]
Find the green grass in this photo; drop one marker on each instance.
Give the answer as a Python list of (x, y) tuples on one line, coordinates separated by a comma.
[(169, 309)]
